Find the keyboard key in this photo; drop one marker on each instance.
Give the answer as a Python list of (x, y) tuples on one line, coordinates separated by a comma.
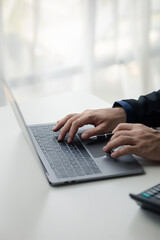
[(63, 174), (83, 163), (73, 161), (87, 170), (96, 171), (79, 172), (68, 168), (40, 134), (57, 174), (72, 174)]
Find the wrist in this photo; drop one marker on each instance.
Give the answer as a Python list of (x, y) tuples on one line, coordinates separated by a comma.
[(121, 114), (130, 113)]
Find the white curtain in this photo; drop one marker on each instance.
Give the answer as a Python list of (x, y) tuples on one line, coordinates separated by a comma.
[(108, 47), (2, 95)]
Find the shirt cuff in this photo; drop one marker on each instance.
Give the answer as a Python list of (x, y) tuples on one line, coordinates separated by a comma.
[(131, 115)]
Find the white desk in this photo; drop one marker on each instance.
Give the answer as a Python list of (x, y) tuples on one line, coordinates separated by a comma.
[(32, 210)]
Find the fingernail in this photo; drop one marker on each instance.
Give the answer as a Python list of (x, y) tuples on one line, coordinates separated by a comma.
[(84, 135), (113, 155), (59, 138), (69, 140), (104, 149)]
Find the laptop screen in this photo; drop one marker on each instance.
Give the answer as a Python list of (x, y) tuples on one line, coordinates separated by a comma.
[(17, 112)]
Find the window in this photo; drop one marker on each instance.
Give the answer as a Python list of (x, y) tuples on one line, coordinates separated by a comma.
[(108, 47)]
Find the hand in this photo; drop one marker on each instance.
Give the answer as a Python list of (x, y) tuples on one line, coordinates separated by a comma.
[(137, 138), (104, 120)]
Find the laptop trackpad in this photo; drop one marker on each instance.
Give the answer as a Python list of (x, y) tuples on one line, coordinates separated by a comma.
[(95, 147)]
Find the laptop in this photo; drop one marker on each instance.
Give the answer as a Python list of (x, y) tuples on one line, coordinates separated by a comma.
[(64, 163)]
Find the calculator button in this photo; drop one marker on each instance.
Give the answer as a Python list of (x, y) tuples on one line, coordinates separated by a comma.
[(153, 191), (157, 196), (150, 193), (146, 195)]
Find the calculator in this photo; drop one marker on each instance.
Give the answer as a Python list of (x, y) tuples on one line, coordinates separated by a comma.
[(149, 199)]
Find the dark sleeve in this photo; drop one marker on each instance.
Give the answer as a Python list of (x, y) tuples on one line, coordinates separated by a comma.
[(131, 115), (147, 109)]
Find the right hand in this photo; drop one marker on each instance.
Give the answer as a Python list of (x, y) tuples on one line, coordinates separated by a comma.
[(103, 120)]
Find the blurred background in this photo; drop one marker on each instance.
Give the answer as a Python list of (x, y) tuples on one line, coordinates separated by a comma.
[(110, 48)]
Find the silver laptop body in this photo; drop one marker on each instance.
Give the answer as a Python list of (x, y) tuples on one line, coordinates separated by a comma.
[(79, 161)]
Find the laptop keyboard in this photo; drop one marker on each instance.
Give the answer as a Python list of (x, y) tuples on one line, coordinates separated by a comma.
[(66, 160)]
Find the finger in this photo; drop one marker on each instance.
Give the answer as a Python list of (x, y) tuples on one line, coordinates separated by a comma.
[(93, 132), (76, 124), (119, 141), (67, 126), (61, 122), (125, 133), (123, 151), (123, 126)]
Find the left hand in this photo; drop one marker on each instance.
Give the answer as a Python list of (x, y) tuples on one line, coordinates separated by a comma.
[(137, 138)]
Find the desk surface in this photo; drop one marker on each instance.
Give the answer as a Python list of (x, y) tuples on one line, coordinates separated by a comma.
[(30, 209)]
